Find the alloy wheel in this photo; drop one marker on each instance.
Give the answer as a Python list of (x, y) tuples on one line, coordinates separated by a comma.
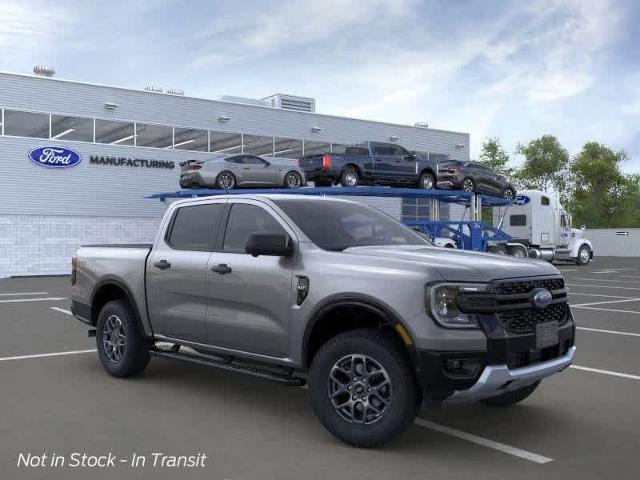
[(467, 185), (293, 180), (427, 182), (508, 194), (351, 179), (226, 181), (359, 389), (114, 338)]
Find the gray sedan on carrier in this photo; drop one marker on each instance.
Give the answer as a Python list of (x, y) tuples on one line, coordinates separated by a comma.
[(228, 172)]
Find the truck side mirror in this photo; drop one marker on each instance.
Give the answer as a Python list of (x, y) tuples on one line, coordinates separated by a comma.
[(270, 244)]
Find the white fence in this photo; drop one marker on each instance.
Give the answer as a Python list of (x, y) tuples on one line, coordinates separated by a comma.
[(615, 242)]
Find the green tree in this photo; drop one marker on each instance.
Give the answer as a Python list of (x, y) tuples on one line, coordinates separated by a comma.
[(494, 156), (545, 164), (601, 194)]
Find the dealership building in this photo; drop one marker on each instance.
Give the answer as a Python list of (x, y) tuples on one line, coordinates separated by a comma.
[(77, 160)]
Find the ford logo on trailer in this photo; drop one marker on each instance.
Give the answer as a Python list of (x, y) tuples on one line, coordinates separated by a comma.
[(521, 200), (541, 298), (55, 157)]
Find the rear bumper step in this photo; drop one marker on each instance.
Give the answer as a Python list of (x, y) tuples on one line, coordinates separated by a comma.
[(229, 365)]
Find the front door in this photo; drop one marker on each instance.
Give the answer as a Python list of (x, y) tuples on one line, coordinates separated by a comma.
[(249, 298), (177, 272), (255, 170)]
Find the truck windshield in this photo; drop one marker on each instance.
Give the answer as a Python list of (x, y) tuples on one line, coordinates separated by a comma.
[(337, 226)]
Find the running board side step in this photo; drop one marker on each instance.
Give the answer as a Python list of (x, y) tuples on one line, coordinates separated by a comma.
[(227, 364)]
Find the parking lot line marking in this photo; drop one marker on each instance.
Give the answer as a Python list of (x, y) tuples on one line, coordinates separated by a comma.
[(606, 372), (608, 280), (43, 355), (605, 302), (20, 300), (615, 332), (617, 310), (602, 286), (61, 310), (597, 295), (16, 294), (485, 442)]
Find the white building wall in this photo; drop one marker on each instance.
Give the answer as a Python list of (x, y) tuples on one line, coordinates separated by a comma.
[(615, 242)]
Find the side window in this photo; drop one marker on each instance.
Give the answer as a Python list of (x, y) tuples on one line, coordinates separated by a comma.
[(251, 160), (563, 221), (518, 220), (397, 150), (194, 228), (381, 150), (544, 200), (245, 220), (236, 159)]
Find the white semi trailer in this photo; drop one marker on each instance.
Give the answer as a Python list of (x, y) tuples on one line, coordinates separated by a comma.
[(540, 228)]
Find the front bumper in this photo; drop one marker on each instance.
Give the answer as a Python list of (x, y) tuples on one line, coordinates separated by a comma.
[(498, 379)]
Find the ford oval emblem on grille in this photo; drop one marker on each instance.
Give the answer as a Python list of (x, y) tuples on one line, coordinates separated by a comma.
[(55, 157), (541, 298)]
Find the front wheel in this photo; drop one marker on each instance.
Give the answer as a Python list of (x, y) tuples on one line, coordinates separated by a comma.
[(122, 349), (508, 194), (584, 255), (363, 389), (511, 398), (427, 181)]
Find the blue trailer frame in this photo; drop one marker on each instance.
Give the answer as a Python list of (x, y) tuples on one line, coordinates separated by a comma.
[(468, 234)]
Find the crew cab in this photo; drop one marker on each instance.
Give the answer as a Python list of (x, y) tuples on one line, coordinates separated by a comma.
[(329, 292), (371, 163)]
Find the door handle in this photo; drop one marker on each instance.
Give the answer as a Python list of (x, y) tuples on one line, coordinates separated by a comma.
[(162, 265), (222, 269)]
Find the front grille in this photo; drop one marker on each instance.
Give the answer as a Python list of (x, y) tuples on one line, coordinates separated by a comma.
[(510, 301), (524, 321), (525, 286)]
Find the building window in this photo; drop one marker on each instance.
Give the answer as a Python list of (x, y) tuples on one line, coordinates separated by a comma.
[(26, 124), (71, 128), (338, 148), (312, 147), (416, 209), (257, 145), (190, 139), (225, 142), (114, 133), (157, 136), (287, 148)]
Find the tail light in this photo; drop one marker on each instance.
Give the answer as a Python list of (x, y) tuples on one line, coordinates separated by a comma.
[(74, 266), (298, 162), (195, 167), (326, 161)]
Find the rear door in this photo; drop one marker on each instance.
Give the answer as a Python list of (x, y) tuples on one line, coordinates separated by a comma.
[(177, 272), (382, 161), (249, 298)]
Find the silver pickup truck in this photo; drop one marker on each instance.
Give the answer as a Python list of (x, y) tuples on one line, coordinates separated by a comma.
[(330, 292)]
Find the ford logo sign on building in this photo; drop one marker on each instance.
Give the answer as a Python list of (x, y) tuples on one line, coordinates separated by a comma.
[(55, 157)]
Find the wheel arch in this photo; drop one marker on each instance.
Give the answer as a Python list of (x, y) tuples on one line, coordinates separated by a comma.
[(354, 166), (343, 312), (109, 289)]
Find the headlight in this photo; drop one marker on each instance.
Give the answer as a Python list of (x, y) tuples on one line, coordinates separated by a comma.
[(442, 303)]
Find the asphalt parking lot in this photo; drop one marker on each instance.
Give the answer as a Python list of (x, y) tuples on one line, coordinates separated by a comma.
[(56, 399)]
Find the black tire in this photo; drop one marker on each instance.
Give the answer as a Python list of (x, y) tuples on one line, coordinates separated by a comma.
[(292, 180), (349, 177), (404, 396), (511, 398), (498, 250), (509, 194), (226, 180), (427, 181), (468, 185), (134, 354), (584, 255)]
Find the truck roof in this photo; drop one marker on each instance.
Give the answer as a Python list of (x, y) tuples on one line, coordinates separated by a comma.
[(268, 196)]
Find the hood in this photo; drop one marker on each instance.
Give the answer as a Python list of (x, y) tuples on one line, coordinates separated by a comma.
[(460, 265)]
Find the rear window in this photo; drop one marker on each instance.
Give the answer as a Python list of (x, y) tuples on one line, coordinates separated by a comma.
[(518, 220), (194, 228)]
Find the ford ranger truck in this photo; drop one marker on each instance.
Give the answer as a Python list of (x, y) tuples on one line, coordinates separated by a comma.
[(371, 163), (330, 292)]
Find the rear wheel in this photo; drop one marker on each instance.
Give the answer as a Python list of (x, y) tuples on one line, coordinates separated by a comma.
[(468, 185), (350, 177), (427, 181), (363, 389), (584, 255), (498, 250), (508, 194), (293, 180), (511, 398), (122, 349), (226, 180)]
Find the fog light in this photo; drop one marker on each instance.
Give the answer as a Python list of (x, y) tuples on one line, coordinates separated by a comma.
[(463, 367)]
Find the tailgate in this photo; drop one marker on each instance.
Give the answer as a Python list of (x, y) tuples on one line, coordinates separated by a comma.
[(311, 163)]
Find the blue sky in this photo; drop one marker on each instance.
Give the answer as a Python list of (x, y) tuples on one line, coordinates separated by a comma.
[(514, 70)]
